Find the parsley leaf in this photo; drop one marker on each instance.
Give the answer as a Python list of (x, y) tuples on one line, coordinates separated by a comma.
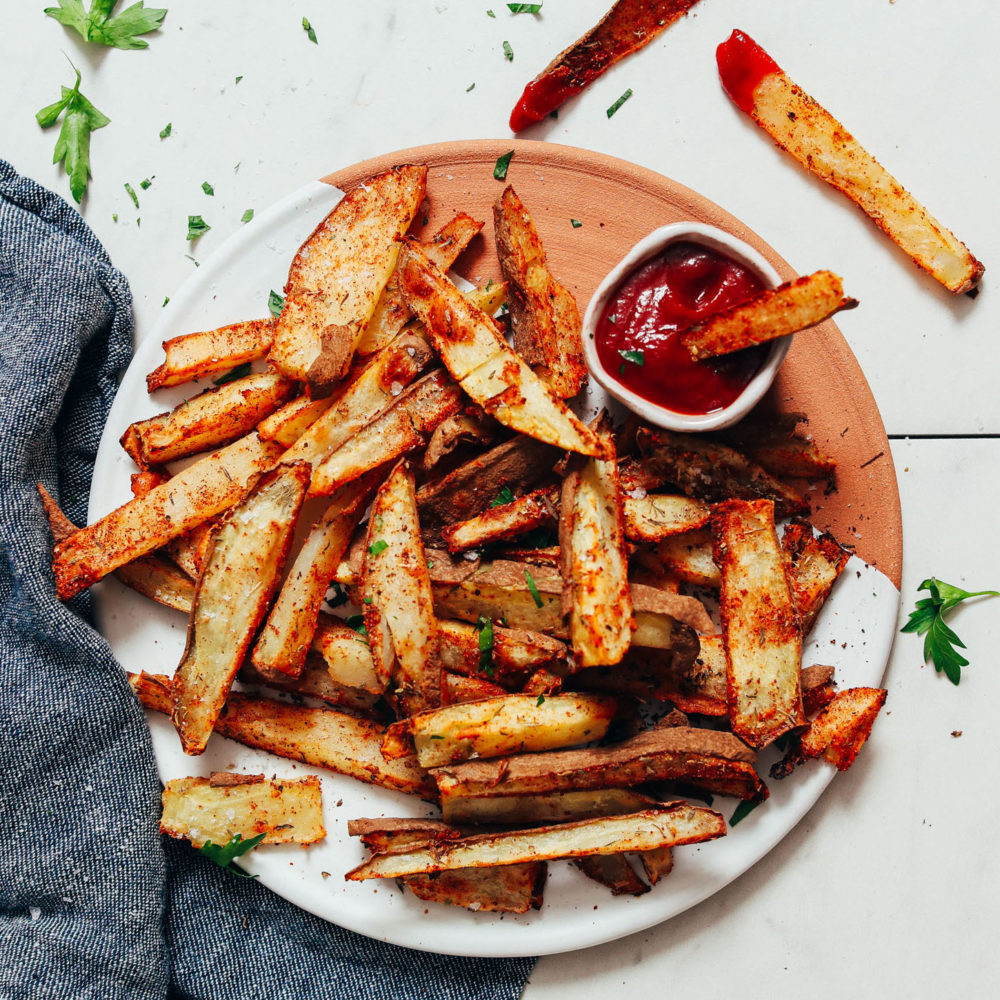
[(147, 183), (490, 13), (503, 497), (275, 303), (500, 169), (536, 597), (575, 223), (197, 226), (485, 626), (132, 194), (309, 30), (378, 547), (73, 145), (240, 371), (524, 8), (741, 812), (508, 51), (339, 596), (166, 130), (97, 24), (208, 189), (636, 357), (224, 855), (541, 701), (928, 620), (247, 215), (357, 622), (621, 100)]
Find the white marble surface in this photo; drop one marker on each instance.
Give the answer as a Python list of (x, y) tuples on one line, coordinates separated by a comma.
[(888, 885)]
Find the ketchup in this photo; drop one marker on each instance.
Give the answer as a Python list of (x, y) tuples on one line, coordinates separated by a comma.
[(742, 65), (637, 337), (541, 97)]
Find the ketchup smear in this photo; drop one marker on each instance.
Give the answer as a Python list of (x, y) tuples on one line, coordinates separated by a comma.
[(541, 97), (658, 300), (742, 65)]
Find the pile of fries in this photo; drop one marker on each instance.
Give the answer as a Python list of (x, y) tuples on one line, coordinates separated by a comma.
[(496, 606)]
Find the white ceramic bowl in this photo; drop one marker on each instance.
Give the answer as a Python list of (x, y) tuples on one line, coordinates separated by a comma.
[(651, 246)]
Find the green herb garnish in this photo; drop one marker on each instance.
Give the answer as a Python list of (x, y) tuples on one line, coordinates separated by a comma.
[(503, 497), (308, 29), (208, 189), (247, 215), (621, 100), (536, 597), (490, 13), (132, 194), (224, 856), (166, 130), (357, 622), (636, 357), (436, 736), (541, 701), (378, 547), (240, 371), (575, 223), (485, 626), (239, 78), (146, 184), (508, 51), (472, 86), (339, 596), (97, 25), (165, 301), (73, 145), (524, 8), (928, 620), (741, 812), (197, 226), (275, 303), (500, 169)]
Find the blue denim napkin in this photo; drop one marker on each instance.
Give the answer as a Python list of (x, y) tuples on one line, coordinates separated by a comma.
[(93, 902)]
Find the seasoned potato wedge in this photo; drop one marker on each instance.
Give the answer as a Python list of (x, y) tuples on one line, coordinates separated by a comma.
[(232, 597), (806, 130), (543, 313), (653, 517), (211, 352), (287, 424), (346, 653), (338, 275), (814, 564), (502, 522), (543, 807), (509, 654), (211, 485), (759, 625), (668, 826), (288, 811)]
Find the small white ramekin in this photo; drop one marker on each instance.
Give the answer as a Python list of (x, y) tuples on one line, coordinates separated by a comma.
[(651, 246)]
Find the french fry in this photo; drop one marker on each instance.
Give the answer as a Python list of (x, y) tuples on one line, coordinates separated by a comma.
[(288, 811), (771, 440), (286, 636), (543, 807), (398, 607), (714, 472), (338, 275), (391, 312), (715, 761), (347, 655), (652, 517), (213, 418), (776, 312), (481, 362), (629, 25), (457, 430), (147, 575), (839, 731), (759, 626), (668, 826), (657, 864), (206, 488), (320, 737), (459, 689), (502, 889), (508, 724), (688, 557), (251, 545), (190, 550), (512, 655), (814, 564), (613, 871), (805, 129), (502, 522), (596, 595), (544, 315), (211, 352), (287, 424)]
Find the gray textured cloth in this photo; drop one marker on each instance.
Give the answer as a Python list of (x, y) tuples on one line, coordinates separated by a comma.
[(93, 903)]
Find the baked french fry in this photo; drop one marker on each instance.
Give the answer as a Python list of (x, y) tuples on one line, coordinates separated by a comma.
[(502, 522), (629, 25), (398, 607), (544, 315), (346, 653), (772, 441), (814, 564), (286, 811), (805, 129), (206, 488), (759, 625), (688, 557), (211, 352), (391, 312), (667, 826), (458, 430), (338, 275), (596, 596), (776, 312), (481, 362), (505, 655), (614, 872), (213, 418), (287, 424), (715, 761), (287, 635), (320, 737), (508, 724), (653, 517), (459, 689), (543, 807), (232, 597)]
